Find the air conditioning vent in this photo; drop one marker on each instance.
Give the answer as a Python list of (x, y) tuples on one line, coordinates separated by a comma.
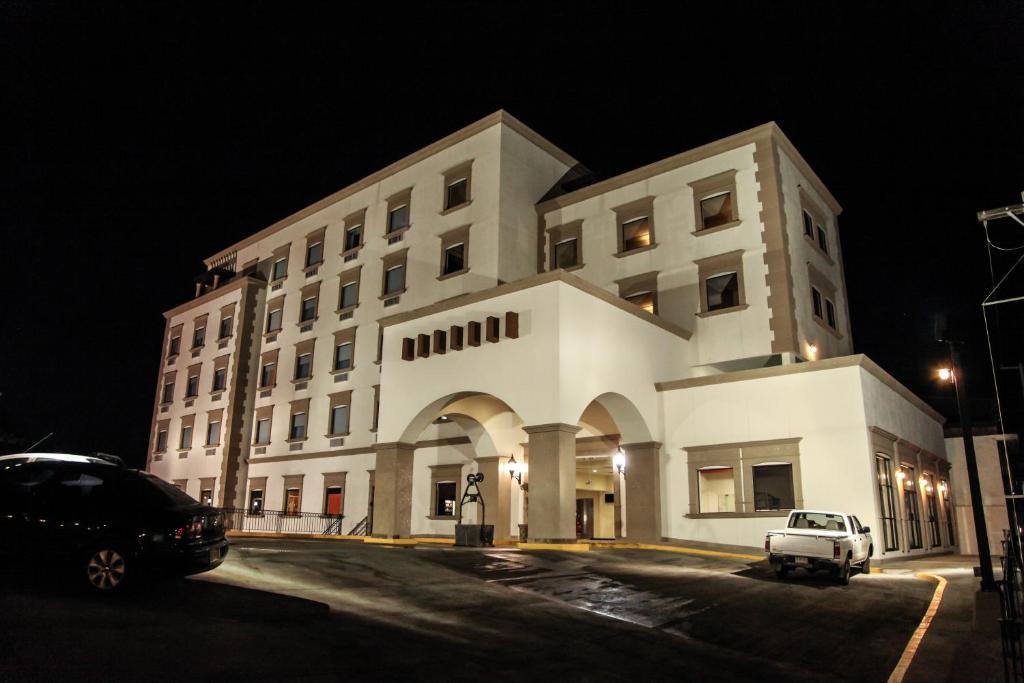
[(351, 257), (395, 240), (391, 302)]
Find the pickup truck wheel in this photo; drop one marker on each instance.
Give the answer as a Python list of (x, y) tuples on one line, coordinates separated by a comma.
[(844, 573), (782, 571), (865, 567)]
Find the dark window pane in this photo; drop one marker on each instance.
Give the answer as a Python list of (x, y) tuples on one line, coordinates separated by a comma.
[(255, 502), (199, 337), (343, 356), (161, 440), (220, 379), (808, 225), (394, 280), (213, 434), (349, 294), (636, 233), (298, 430), (454, 258), (263, 431), (830, 312), (822, 239), (186, 437), (225, 327), (446, 502), (280, 269), (398, 218), (339, 420), (458, 193), (168, 392), (192, 388), (716, 210), (274, 320), (723, 291), (314, 253), (816, 301), (303, 366), (353, 236), (267, 374), (566, 253), (773, 487), (308, 309), (175, 346)]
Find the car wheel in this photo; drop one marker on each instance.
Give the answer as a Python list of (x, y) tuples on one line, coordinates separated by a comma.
[(865, 567), (844, 573), (782, 572), (105, 569)]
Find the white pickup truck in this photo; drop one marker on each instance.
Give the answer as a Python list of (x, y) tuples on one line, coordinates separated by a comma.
[(816, 540)]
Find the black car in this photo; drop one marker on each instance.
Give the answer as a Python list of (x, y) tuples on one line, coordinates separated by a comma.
[(102, 523)]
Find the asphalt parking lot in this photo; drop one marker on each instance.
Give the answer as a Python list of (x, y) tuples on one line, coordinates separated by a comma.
[(321, 610)]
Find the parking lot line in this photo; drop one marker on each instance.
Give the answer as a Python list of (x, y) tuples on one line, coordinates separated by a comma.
[(915, 640)]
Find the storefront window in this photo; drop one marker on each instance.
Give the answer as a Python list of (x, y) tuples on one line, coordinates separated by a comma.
[(887, 502), (911, 509), (716, 489), (773, 487)]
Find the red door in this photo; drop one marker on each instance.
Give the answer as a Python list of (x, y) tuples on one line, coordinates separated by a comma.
[(334, 501)]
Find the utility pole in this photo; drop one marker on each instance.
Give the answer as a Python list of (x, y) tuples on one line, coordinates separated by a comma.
[(988, 581)]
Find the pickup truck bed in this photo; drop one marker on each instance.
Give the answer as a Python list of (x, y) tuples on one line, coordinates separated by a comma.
[(816, 540)]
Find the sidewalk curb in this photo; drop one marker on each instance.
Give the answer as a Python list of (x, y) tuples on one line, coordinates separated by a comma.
[(907, 658)]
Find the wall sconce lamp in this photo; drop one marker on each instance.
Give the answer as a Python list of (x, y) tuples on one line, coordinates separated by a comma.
[(619, 462), (515, 470), (943, 488)]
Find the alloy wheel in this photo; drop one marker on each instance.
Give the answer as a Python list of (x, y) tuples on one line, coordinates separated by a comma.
[(105, 569)]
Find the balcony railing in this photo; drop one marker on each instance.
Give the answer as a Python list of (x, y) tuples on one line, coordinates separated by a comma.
[(276, 521)]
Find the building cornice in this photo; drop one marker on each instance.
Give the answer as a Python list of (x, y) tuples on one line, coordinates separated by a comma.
[(527, 283), (769, 131), (237, 283), (858, 360), (499, 117)]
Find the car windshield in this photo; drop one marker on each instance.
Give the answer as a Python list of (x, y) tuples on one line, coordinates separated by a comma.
[(150, 490), (819, 521)]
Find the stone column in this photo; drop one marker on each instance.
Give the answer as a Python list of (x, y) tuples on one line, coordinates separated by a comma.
[(552, 483), (392, 502), (497, 492), (643, 491), (617, 493)]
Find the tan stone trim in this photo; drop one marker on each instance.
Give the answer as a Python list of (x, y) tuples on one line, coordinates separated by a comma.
[(882, 441), (236, 283), (721, 264), (454, 174), (766, 131), (359, 450), (717, 228), (781, 298), (722, 311), (450, 238), (563, 233), (812, 366), (552, 427), (742, 444), (737, 515), (526, 283)]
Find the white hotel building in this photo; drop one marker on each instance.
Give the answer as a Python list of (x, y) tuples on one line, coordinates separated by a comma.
[(482, 299)]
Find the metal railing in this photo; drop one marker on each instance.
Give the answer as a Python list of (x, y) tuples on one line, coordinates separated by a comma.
[(1011, 599), (276, 521)]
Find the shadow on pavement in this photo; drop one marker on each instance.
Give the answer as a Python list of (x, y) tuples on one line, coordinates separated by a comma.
[(801, 578)]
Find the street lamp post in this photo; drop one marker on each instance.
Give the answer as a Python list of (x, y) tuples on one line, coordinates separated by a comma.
[(988, 582)]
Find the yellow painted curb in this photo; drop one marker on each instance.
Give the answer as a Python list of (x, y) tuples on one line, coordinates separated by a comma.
[(910, 650), (678, 549), (570, 547)]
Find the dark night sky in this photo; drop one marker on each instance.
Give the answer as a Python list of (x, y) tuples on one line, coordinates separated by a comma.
[(144, 139)]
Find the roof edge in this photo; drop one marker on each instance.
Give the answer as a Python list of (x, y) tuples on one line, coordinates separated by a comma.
[(499, 117)]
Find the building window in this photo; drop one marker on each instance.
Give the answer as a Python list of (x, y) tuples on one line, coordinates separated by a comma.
[(267, 374), (175, 346), (168, 394), (226, 322), (314, 254), (933, 511), (304, 366), (186, 437), (457, 193), (292, 501), (280, 269), (644, 300), (887, 501), (192, 386), (263, 431), (274, 318), (641, 290), (343, 356), (348, 297), (947, 505), (808, 224), (816, 302), (454, 259), (773, 486), (353, 237), (339, 420), (220, 376), (198, 337), (830, 313), (213, 434), (256, 502), (716, 487), (722, 291), (297, 430), (394, 279), (161, 441), (206, 497), (334, 500), (308, 309), (822, 239), (715, 201), (446, 502), (398, 218), (636, 234), (565, 246), (911, 509)]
